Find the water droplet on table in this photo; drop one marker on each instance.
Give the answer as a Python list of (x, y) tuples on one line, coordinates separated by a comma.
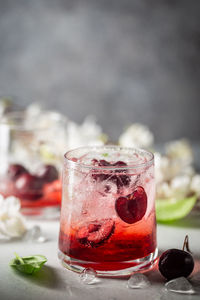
[(88, 276), (138, 281), (179, 285), (35, 235)]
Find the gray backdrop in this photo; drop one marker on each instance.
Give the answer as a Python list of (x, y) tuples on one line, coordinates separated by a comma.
[(123, 61)]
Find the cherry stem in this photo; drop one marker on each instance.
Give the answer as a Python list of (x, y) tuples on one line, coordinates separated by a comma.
[(186, 244)]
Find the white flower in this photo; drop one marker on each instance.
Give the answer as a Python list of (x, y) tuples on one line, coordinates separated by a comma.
[(12, 223), (33, 110), (195, 184), (87, 134), (188, 170), (161, 167), (180, 186), (173, 178), (52, 145), (165, 169), (180, 150), (53, 131), (163, 190), (46, 141), (136, 135)]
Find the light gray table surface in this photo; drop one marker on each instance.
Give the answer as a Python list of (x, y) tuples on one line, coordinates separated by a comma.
[(55, 282)]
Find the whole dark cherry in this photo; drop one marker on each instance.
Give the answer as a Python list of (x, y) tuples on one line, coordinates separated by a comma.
[(28, 186), (175, 263), (15, 170), (47, 173)]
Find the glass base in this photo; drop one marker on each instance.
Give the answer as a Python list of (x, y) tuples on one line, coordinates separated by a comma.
[(110, 269), (47, 213)]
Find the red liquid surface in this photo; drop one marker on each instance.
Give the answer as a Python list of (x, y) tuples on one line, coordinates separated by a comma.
[(127, 243)]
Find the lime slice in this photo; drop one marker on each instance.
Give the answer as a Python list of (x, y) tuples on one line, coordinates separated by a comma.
[(174, 209)]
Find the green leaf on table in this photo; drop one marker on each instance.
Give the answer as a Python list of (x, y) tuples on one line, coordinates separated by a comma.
[(28, 264), (173, 209)]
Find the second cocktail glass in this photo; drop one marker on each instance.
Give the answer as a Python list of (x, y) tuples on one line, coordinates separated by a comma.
[(30, 161), (108, 210)]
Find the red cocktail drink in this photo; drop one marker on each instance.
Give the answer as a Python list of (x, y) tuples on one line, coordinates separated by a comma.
[(30, 165), (108, 214)]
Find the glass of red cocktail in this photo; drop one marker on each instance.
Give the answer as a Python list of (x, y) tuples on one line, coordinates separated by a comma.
[(108, 214), (29, 169)]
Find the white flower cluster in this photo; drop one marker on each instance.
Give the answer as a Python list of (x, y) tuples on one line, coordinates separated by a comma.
[(136, 135), (89, 133), (175, 176), (68, 134), (174, 173), (51, 138), (180, 150), (12, 224)]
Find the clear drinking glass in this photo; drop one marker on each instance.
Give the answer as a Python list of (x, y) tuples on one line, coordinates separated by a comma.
[(30, 161), (108, 210)]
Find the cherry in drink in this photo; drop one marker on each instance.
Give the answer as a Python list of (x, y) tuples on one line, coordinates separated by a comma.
[(108, 214)]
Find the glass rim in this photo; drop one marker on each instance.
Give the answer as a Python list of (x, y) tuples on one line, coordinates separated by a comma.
[(21, 115), (136, 165)]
